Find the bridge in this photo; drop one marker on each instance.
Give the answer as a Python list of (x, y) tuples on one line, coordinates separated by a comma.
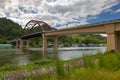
[(39, 28)]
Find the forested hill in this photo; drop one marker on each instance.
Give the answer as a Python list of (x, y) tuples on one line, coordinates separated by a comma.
[(9, 30)]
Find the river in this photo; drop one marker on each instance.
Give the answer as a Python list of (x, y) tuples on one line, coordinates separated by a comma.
[(22, 57)]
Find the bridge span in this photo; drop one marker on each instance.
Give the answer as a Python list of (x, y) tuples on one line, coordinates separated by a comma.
[(111, 28)]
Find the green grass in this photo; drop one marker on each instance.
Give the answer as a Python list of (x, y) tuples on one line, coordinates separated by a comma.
[(98, 67), (80, 74)]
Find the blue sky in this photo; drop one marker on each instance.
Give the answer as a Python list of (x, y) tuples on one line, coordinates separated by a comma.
[(61, 13), (107, 16)]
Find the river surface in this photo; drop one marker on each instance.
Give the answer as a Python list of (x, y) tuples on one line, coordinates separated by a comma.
[(22, 57)]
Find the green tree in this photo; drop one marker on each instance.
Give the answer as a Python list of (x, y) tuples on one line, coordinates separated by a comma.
[(9, 30)]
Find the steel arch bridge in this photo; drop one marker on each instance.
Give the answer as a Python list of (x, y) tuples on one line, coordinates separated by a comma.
[(34, 24), (35, 28)]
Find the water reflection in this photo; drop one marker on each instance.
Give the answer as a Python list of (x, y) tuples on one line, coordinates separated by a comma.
[(22, 57), (21, 60)]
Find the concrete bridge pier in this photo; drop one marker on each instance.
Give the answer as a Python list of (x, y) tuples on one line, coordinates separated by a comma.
[(21, 44), (44, 47), (27, 44), (111, 41), (44, 40), (118, 41), (111, 37), (55, 48), (16, 44)]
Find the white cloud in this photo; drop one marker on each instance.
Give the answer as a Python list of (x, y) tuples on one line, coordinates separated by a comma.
[(117, 11), (54, 11)]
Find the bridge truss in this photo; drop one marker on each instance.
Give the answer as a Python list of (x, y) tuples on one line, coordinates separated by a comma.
[(34, 26)]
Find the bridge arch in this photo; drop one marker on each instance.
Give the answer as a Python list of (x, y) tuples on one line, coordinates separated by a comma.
[(32, 24)]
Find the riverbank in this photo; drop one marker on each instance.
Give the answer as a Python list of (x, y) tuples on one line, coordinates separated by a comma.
[(98, 67)]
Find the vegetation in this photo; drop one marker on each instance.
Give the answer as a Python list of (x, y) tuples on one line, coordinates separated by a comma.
[(99, 67), (9, 30), (83, 39)]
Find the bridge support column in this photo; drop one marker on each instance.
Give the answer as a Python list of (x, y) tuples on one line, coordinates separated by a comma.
[(111, 37), (27, 44), (118, 41), (111, 41), (55, 44), (21, 44), (16, 44), (44, 47)]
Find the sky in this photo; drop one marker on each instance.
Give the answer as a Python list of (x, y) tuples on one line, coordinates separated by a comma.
[(60, 13)]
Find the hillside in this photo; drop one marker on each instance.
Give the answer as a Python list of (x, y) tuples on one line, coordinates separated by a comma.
[(9, 30)]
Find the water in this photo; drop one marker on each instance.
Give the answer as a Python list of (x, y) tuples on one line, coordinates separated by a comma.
[(22, 57)]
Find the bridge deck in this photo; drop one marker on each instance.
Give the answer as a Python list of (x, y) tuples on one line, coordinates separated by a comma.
[(102, 27), (32, 35)]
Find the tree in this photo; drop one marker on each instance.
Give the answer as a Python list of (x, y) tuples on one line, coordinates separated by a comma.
[(9, 30)]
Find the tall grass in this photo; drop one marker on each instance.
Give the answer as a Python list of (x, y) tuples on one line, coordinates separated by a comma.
[(59, 66), (99, 67)]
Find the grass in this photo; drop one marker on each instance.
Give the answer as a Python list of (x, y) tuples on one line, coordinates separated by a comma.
[(98, 67), (80, 74)]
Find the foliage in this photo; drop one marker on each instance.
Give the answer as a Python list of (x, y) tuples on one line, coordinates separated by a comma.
[(93, 38), (9, 30), (9, 67), (83, 38)]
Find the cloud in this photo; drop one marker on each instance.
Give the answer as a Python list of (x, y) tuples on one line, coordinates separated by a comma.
[(117, 11), (57, 13)]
